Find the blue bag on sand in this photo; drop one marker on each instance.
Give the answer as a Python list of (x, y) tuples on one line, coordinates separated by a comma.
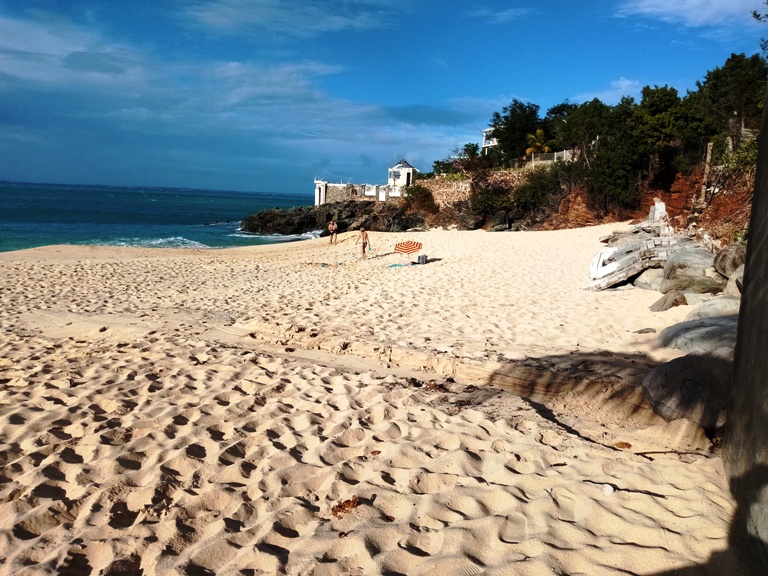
[(422, 258)]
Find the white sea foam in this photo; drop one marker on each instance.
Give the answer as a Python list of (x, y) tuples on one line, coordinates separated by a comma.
[(277, 238), (172, 242)]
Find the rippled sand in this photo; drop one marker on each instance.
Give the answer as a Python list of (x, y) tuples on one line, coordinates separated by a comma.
[(294, 409)]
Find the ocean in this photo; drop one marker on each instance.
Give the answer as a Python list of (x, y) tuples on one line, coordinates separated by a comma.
[(33, 215)]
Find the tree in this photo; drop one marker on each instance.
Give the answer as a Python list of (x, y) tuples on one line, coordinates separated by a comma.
[(581, 128), (618, 156), (657, 120), (538, 143), (465, 160), (734, 93), (556, 123), (512, 127)]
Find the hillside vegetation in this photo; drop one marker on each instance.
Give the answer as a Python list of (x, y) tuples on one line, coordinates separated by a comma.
[(697, 152)]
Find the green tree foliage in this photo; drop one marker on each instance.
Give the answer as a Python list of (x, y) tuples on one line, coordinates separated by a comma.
[(512, 126), (545, 186), (658, 128), (465, 161), (742, 162), (617, 159), (420, 198), (490, 198), (555, 123), (581, 128), (762, 17), (733, 94), (619, 149)]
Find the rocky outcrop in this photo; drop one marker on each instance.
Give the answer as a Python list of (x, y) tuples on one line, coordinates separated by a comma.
[(691, 269), (351, 215)]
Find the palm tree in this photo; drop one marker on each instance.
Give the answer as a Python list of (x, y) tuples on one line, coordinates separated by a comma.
[(538, 144)]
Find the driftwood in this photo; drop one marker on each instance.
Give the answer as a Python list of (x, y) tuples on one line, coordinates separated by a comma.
[(613, 265), (618, 263)]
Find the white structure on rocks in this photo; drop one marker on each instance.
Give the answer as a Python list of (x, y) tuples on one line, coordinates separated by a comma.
[(399, 176)]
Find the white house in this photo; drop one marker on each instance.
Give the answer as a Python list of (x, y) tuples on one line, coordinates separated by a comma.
[(488, 141), (401, 174)]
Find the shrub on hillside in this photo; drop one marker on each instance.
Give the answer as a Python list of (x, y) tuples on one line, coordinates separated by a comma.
[(541, 185), (488, 198), (545, 186), (420, 198), (742, 161)]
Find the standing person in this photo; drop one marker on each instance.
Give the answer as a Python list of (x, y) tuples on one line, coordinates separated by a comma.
[(333, 228), (362, 236)]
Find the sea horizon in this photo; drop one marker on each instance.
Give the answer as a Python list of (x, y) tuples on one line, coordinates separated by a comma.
[(38, 214)]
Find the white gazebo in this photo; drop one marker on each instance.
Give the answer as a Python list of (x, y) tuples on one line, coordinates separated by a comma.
[(401, 174)]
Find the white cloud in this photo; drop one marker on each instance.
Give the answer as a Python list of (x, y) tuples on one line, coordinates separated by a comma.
[(694, 13), (501, 16), (612, 95), (291, 18), (56, 53)]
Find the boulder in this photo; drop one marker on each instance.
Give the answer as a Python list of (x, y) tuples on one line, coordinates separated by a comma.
[(669, 300), (720, 307), (649, 279), (690, 269), (704, 336), (730, 258), (735, 281), (695, 387), (499, 221)]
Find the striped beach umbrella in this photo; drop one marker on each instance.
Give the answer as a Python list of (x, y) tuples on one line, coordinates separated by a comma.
[(407, 247)]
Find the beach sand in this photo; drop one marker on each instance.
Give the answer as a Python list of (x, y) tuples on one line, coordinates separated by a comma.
[(294, 409)]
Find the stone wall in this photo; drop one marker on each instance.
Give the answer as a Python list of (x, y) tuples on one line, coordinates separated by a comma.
[(326, 192), (746, 437), (447, 191), (344, 192)]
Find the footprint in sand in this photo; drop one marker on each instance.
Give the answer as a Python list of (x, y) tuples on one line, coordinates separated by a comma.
[(427, 483), (390, 431), (514, 529), (351, 437), (424, 540)]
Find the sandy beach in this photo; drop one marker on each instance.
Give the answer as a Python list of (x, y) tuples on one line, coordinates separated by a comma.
[(294, 409)]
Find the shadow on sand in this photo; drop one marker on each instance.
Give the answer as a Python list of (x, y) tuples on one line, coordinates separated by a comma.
[(612, 385)]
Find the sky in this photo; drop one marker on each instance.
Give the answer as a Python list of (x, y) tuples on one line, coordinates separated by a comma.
[(268, 95)]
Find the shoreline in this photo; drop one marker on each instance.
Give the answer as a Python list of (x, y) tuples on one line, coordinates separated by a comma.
[(267, 408)]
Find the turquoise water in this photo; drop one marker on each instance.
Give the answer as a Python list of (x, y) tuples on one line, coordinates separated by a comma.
[(34, 215)]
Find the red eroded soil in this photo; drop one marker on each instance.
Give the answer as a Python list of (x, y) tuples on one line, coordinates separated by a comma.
[(726, 213)]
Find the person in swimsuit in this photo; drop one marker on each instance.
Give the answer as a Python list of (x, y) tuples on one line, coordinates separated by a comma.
[(333, 228), (362, 236)]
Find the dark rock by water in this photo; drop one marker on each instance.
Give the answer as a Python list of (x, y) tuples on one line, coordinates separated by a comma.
[(351, 215)]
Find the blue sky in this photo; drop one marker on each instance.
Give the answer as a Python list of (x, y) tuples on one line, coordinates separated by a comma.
[(266, 95)]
